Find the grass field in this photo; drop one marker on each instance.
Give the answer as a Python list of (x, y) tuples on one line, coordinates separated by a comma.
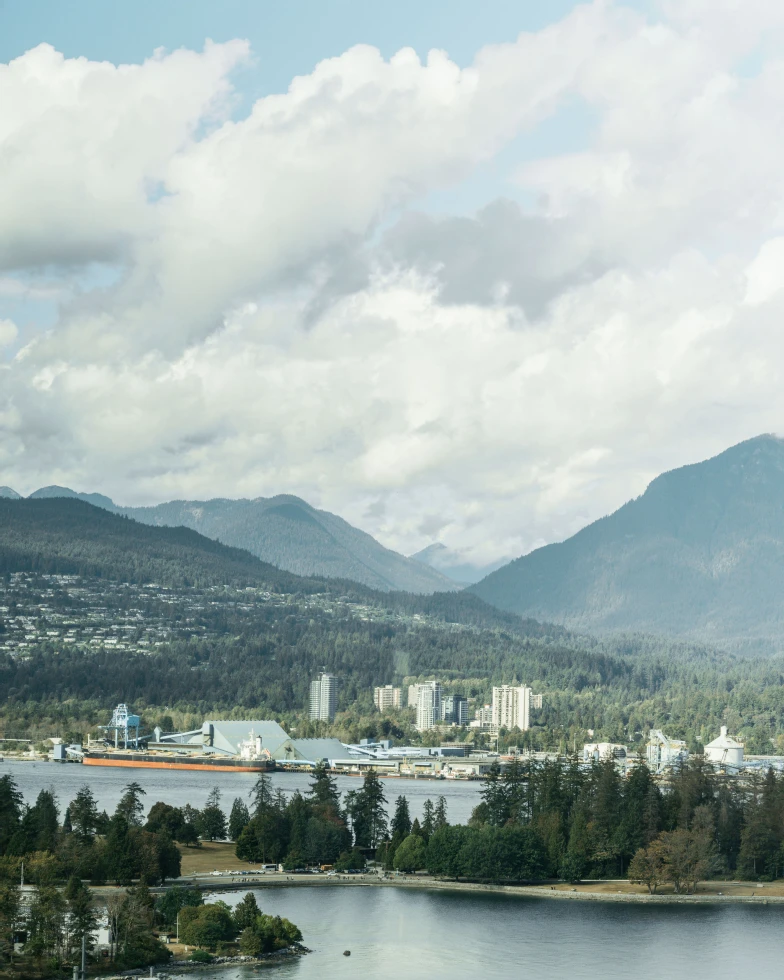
[(211, 856)]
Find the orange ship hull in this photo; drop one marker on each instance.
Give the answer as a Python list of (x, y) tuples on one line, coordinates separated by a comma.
[(166, 764)]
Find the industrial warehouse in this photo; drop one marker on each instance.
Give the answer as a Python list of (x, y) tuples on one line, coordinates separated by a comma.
[(255, 745)]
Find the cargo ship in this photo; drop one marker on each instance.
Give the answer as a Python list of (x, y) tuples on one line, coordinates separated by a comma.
[(165, 760)]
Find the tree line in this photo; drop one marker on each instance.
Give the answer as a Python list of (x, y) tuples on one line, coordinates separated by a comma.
[(59, 853)]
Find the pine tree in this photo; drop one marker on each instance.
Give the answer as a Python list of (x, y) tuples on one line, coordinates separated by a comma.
[(11, 803), (428, 819), (246, 912), (369, 816), (439, 816), (82, 916), (239, 818), (495, 797), (212, 820), (262, 795), (130, 806), (324, 788), (84, 815), (42, 822), (401, 822)]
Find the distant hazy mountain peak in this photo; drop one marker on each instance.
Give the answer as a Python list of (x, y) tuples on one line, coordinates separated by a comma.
[(454, 564), (96, 499), (9, 493)]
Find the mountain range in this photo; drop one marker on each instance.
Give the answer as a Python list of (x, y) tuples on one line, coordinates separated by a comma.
[(699, 555), (284, 531)]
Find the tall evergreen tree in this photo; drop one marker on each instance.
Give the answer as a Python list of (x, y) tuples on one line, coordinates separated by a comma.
[(495, 796), (368, 815), (11, 804), (323, 787), (428, 819), (82, 916), (212, 820), (130, 806), (84, 815), (262, 795), (239, 818), (401, 821), (439, 815), (41, 823), (246, 912)]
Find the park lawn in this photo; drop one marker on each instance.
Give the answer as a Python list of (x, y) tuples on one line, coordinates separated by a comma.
[(211, 856)]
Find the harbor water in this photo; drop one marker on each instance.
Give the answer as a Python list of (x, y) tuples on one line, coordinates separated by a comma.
[(179, 787), (425, 934)]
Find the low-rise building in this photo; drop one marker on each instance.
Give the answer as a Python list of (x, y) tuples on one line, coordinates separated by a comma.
[(387, 697), (601, 751), (483, 717)]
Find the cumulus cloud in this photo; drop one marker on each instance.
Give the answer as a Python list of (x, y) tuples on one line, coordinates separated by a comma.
[(282, 316)]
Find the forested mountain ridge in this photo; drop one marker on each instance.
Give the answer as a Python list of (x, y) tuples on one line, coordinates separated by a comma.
[(700, 554), (66, 536), (70, 537), (287, 532)]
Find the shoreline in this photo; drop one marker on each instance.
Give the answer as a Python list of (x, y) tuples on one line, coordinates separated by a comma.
[(563, 893)]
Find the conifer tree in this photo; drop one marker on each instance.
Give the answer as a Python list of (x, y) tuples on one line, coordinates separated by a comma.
[(239, 818)]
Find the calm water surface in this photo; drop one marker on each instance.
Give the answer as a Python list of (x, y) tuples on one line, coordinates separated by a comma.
[(179, 787), (394, 936)]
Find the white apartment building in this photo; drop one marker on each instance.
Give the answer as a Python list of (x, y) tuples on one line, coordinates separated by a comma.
[(387, 697), (323, 697), (512, 707), (428, 705)]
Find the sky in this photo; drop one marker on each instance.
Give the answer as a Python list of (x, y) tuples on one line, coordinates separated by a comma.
[(457, 272)]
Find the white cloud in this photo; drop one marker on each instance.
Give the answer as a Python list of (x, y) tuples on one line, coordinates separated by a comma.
[(764, 274), (503, 379), (8, 332)]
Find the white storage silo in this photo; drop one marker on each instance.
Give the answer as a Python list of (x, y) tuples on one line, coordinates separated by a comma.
[(724, 750)]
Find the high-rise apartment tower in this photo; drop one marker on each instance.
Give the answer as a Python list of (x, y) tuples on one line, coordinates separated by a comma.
[(323, 697), (428, 706), (512, 707)]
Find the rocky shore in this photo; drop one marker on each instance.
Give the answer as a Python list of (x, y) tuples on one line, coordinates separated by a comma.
[(172, 970)]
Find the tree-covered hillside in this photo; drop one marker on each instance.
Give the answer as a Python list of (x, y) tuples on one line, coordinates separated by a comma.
[(58, 535), (220, 631), (55, 535), (287, 532), (700, 554)]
